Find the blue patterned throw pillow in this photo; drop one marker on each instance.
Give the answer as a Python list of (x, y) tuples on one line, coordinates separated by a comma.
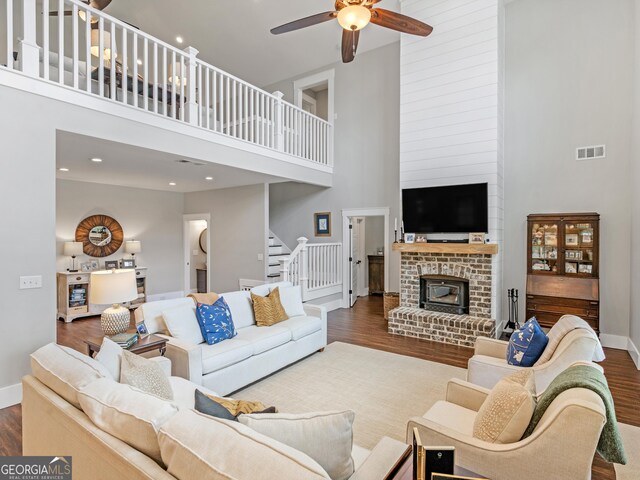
[(215, 321), (527, 344)]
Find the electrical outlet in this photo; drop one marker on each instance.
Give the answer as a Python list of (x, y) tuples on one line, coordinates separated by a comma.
[(31, 282), (260, 257)]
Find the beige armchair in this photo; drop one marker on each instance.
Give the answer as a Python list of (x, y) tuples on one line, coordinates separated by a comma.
[(489, 364), (562, 445)]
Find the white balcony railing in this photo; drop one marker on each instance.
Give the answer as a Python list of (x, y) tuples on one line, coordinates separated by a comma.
[(95, 53), (316, 267)]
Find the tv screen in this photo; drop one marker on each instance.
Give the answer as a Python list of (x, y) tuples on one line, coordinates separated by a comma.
[(452, 209)]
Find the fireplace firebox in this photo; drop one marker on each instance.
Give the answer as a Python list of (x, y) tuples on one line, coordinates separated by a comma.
[(444, 294)]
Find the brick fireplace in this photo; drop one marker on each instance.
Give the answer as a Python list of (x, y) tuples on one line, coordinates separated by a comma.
[(450, 268)]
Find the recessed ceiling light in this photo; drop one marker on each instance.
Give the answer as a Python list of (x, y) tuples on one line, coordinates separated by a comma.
[(96, 160), (63, 169), (209, 178), (139, 62), (172, 184), (179, 39)]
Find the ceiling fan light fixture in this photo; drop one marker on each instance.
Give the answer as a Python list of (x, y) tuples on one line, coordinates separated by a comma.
[(354, 17), (106, 44)]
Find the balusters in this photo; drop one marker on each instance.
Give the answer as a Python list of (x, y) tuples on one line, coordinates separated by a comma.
[(74, 29), (61, 18), (165, 79), (134, 62), (112, 61), (200, 95), (155, 77), (87, 41), (183, 81), (45, 35), (125, 68)]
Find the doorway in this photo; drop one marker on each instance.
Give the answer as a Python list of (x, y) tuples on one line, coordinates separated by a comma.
[(197, 253), (366, 256), (315, 94)]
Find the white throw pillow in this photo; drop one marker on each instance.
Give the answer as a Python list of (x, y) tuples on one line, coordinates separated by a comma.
[(110, 355), (291, 299), (327, 437), (241, 308), (127, 413), (197, 446), (182, 324), (145, 374), (66, 371)]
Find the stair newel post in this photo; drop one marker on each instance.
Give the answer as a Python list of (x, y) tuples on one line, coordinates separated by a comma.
[(192, 106), (304, 266), (284, 270), (279, 121), (28, 48)]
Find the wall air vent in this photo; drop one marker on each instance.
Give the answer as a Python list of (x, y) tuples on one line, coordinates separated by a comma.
[(590, 153)]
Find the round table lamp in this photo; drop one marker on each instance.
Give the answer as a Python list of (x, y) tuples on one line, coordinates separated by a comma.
[(114, 287), (133, 247)]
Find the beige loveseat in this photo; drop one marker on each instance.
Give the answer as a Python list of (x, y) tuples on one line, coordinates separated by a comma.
[(54, 424)]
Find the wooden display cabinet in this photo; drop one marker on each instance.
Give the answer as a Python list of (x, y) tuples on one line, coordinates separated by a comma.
[(563, 268)]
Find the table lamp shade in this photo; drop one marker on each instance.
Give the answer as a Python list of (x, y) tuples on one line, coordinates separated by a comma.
[(113, 287), (72, 249), (132, 246)]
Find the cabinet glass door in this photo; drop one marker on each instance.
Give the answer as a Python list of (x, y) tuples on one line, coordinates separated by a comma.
[(544, 247), (578, 249)]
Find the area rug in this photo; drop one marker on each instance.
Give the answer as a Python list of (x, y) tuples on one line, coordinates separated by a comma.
[(384, 389)]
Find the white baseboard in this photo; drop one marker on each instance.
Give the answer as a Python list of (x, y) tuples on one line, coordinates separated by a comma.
[(635, 354), (614, 341), (332, 305), (165, 296), (11, 395), (499, 328)]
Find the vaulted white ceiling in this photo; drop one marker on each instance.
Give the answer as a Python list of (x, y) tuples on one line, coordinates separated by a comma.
[(234, 34)]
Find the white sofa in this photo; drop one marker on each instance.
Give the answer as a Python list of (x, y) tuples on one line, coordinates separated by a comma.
[(253, 354), (54, 424)]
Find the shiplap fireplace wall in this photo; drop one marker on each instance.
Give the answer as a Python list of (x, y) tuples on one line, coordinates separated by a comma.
[(451, 105)]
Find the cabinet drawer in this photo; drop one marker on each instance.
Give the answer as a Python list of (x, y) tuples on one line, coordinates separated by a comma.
[(76, 310), (80, 278), (563, 310), (548, 320), (140, 274)]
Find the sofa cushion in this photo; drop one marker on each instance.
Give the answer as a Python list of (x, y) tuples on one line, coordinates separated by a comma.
[(223, 354), (227, 408), (127, 413), (291, 299), (184, 391), (66, 371), (145, 374), (268, 310), (505, 414), (204, 404), (327, 437), (151, 313), (526, 344), (263, 290), (452, 416), (182, 323), (194, 445), (110, 355), (241, 308), (302, 326), (216, 322), (265, 338)]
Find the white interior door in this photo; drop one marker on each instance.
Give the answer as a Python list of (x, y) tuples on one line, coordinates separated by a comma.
[(355, 257)]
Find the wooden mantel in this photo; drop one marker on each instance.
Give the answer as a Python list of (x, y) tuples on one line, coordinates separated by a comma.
[(468, 248)]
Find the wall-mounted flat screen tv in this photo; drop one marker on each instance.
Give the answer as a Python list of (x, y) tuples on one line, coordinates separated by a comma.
[(450, 209)]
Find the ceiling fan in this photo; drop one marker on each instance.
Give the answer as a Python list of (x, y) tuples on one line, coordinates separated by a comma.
[(98, 5), (353, 16)]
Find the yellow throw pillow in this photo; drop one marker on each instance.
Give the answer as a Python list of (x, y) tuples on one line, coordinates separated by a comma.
[(268, 310), (236, 407), (505, 414)]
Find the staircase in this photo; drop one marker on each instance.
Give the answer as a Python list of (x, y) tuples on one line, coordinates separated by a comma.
[(277, 251)]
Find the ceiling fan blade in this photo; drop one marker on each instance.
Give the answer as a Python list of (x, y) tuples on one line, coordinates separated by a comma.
[(67, 13), (99, 4), (399, 22), (304, 22), (349, 45)]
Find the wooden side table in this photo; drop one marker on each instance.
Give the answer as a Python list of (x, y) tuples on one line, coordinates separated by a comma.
[(405, 472), (143, 345)]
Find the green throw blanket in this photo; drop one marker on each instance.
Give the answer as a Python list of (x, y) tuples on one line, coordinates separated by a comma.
[(610, 445)]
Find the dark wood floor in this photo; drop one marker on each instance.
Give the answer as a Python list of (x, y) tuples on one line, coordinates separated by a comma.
[(364, 325)]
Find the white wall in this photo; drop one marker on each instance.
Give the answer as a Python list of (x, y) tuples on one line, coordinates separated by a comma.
[(238, 232), (151, 216), (450, 105), (569, 66), (634, 327), (27, 245), (366, 153)]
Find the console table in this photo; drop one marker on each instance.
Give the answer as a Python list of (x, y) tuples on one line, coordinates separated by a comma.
[(74, 295)]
